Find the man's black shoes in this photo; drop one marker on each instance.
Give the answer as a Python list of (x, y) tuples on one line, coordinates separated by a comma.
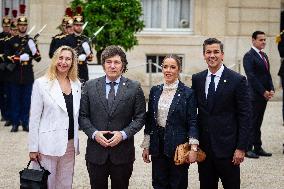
[(261, 152)]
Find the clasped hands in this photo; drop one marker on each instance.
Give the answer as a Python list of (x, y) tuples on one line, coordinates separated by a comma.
[(116, 138), (268, 94)]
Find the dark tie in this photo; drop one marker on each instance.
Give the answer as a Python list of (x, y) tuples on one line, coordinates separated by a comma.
[(111, 94), (211, 92), (264, 60)]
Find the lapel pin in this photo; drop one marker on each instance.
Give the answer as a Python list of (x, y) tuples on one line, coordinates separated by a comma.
[(225, 80), (178, 94), (123, 83)]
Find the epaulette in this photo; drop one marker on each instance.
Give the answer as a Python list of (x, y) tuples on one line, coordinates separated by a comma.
[(60, 36), (278, 37), (8, 38)]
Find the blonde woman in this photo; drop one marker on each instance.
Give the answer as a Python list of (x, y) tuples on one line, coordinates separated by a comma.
[(53, 136)]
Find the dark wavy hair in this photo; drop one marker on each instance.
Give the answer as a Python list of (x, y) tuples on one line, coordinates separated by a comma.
[(211, 41), (112, 51)]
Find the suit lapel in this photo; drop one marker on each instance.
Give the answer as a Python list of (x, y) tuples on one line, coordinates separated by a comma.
[(101, 87), (76, 96), (176, 99), (260, 60), (220, 87), (156, 98), (123, 84), (56, 93), (202, 86)]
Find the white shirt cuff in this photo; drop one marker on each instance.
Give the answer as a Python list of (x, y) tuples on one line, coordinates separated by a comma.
[(124, 136)]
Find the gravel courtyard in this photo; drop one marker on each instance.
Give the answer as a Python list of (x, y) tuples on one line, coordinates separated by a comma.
[(263, 173)]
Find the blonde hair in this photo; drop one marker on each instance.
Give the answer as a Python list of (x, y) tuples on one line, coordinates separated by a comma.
[(73, 71)]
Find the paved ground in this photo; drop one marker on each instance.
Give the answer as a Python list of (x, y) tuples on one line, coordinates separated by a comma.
[(264, 173)]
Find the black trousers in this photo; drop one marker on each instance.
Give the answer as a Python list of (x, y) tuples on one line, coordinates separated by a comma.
[(119, 175), (165, 174), (212, 169), (258, 109)]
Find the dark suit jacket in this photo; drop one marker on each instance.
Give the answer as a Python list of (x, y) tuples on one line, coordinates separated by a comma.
[(259, 78), (181, 120), (127, 114), (228, 122)]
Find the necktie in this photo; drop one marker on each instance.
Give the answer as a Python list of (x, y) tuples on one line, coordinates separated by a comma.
[(211, 92), (111, 94), (264, 60)]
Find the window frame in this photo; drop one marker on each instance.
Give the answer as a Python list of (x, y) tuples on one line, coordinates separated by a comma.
[(164, 29)]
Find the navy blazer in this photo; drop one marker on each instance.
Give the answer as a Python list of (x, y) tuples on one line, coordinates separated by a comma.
[(227, 123), (259, 78), (181, 120)]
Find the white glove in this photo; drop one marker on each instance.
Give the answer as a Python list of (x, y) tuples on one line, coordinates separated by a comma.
[(32, 46), (86, 48), (82, 57), (24, 57)]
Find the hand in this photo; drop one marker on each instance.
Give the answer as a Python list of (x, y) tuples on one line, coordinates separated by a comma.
[(35, 156), (271, 94), (116, 139), (146, 156), (100, 138), (192, 156), (238, 157), (266, 95)]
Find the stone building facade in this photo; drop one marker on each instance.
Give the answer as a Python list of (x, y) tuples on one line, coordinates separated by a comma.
[(231, 21)]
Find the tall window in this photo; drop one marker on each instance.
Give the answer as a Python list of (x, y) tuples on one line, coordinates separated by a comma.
[(167, 15)]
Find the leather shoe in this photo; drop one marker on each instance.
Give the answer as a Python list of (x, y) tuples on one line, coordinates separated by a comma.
[(261, 152), (26, 128), (8, 123), (251, 154), (14, 128)]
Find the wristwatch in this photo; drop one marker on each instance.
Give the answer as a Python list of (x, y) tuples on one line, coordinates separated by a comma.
[(193, 148)]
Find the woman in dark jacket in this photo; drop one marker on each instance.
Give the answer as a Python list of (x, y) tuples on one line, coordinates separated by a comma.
[(171, 120)]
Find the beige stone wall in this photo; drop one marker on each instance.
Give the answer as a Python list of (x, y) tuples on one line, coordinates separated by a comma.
[(232, 21)]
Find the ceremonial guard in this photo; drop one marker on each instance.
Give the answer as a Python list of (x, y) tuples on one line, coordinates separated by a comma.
[(21, 50), (80, 43), (66, 28), (3, 87)]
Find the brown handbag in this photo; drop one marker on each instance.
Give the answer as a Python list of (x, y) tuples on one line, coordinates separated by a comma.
[(182, 152)]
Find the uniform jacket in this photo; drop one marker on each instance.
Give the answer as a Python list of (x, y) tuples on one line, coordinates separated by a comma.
[(259, 78), (16, 46), (49, 119), (227, 123), (127, 114), (76, 41), (181, 121)]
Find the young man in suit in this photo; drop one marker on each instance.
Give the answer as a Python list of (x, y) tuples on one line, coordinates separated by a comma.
[(112, 111), (256, 65), (223, 119)]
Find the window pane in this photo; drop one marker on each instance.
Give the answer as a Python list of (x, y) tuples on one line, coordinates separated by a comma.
[(178, 14), (152, 13)]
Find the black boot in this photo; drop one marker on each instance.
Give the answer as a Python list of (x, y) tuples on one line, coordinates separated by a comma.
[(8, 123), (25, 128), (14, 128)]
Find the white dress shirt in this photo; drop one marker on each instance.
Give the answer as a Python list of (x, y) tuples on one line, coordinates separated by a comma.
[(218, 75)]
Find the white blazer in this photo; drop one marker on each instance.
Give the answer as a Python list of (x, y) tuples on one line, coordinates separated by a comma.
[(49, 121)]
